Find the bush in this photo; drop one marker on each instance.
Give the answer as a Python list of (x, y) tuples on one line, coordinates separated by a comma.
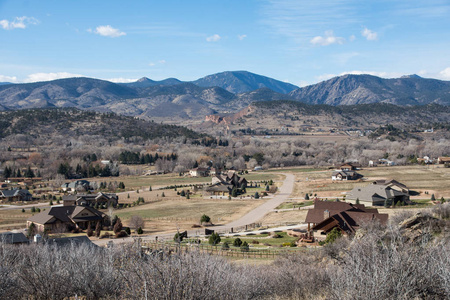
[(117, 226), (306, 197), (245, 247), (178, 238), (89, 232), (255, 242), (205, 219), (121, 234), (140, 231), (225, 246), (214, 239), (256, 195), (33, 209), (237, 242), (333, 236), (23, 210), (128, 230), (106, 235)]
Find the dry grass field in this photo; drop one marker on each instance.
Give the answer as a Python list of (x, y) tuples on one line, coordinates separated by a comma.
[(171, 213), (434, 179)]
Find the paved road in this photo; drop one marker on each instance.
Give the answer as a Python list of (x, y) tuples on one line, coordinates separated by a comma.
[(259, 212), (253, 216), (9, 207)]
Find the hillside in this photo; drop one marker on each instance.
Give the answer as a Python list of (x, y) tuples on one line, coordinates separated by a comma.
[(71, 123), (364, 89), (292, 117)]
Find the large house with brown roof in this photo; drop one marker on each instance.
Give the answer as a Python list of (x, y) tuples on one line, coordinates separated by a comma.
[(91, 199), (347, 217), (224, 185), (65, 218)]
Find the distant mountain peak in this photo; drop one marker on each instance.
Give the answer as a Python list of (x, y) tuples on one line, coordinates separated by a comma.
[(411, 76), (144, 79)]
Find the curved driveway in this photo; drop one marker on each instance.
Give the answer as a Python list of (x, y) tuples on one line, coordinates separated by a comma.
[(259, 212)]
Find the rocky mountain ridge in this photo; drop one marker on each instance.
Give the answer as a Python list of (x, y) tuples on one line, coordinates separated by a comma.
[(171, 98)]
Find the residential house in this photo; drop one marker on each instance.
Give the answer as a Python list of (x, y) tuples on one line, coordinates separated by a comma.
[(443, 160), (327, 215), (223, 185), (386, 162), (350, 166), (15, 238), (91, 199), (199, 172), (15, 195), (344, 175), (65, 218), (214, 171), (77, 185), (379, 194), (394, 184)]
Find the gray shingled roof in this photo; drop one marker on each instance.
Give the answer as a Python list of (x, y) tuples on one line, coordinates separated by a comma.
[(13, 238), (63, 214), (371, 191)]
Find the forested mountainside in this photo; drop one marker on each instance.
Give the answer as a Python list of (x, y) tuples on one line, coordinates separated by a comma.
[(293, 114), (74, 123)]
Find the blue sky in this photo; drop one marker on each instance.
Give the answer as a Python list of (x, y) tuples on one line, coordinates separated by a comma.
[(301, 42)]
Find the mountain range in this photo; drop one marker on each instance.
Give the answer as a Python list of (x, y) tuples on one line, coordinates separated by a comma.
[(218, 93)]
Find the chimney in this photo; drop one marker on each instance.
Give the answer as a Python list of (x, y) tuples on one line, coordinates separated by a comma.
[(326, 214)]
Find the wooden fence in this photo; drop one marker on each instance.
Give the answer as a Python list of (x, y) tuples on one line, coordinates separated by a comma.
[(214, 250)]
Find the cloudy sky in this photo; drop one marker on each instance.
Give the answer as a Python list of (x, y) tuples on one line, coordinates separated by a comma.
[(301, 42)]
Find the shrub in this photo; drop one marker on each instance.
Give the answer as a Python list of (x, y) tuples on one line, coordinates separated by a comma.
[(23, 210), (333, 236), (121, 234), (245, 247), (205, 219), (306, 197), (225, 246), (237, 242), (33, 209), (117, 226), (214, 239), (140, 231), (106, 235), (255, 242), (256, 195), (90, 232), (178, 237), (128, 230)]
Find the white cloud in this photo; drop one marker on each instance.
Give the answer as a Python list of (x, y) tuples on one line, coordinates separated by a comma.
[(35, 77), (108, 31), (213, 38), (369, 34), (122, 80), (242, 36), (159, 62), (328, 39), (4, 78), (18, 22), (445, 74), (352, 38)]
